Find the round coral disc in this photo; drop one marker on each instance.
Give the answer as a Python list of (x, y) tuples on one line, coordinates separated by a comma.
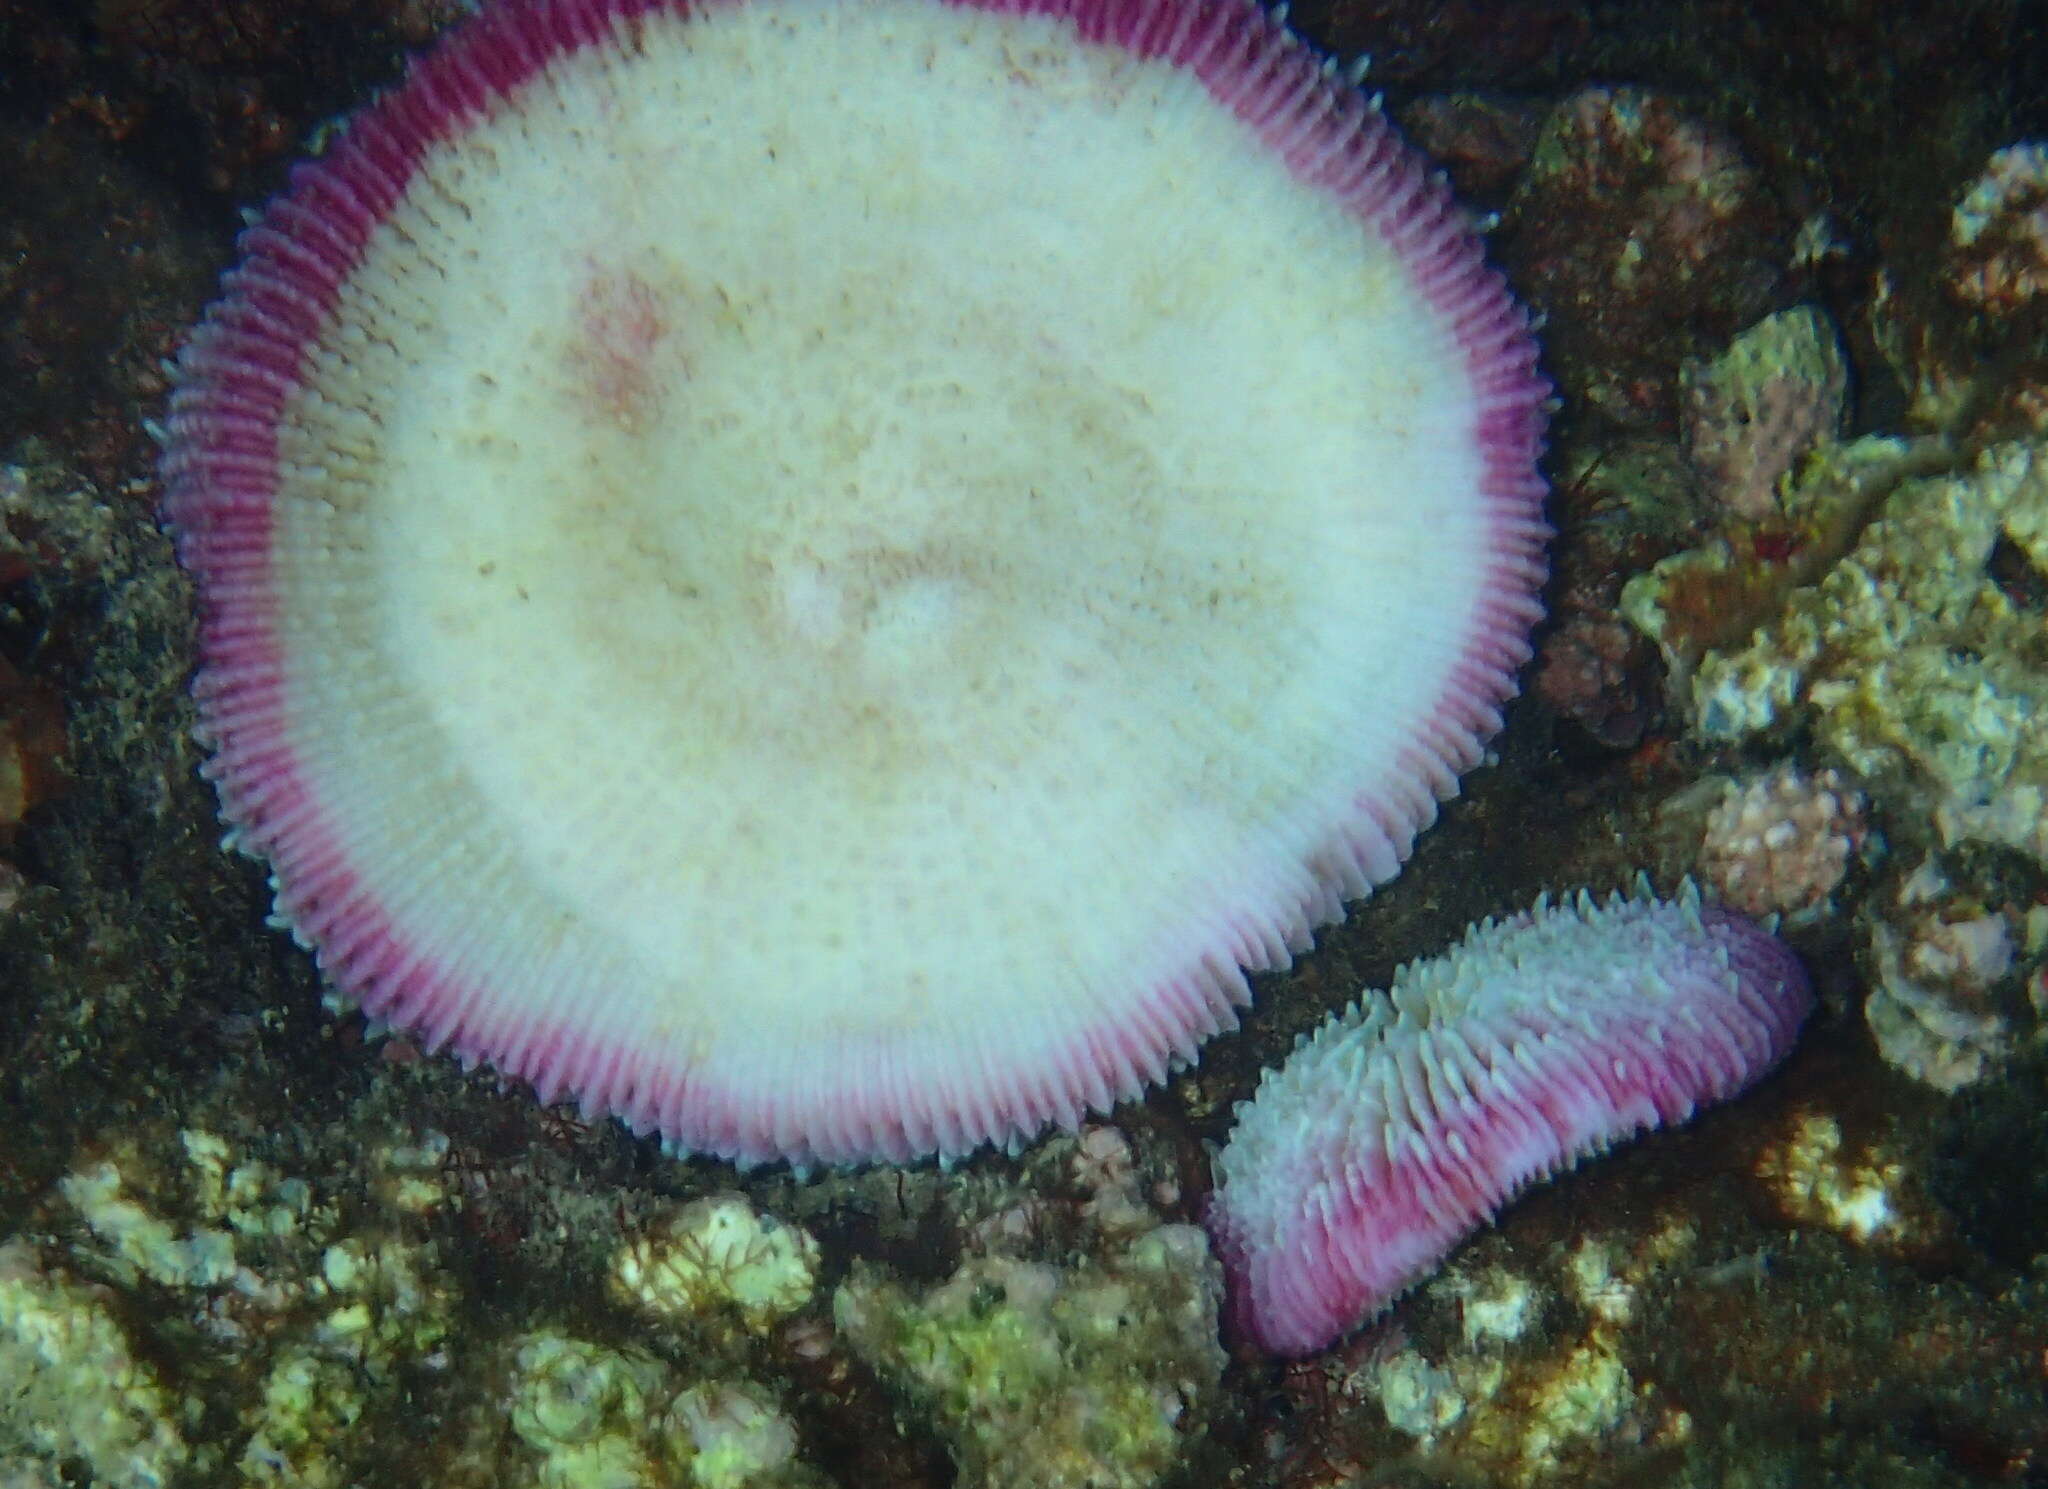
[(825, 577)]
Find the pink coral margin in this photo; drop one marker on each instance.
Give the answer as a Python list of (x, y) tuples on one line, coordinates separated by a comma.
[(241, 370)]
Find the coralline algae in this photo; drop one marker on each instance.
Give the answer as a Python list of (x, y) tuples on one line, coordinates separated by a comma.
[(1406, 1122)]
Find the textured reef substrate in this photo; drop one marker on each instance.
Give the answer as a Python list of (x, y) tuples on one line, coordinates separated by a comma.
[(267, 1245)]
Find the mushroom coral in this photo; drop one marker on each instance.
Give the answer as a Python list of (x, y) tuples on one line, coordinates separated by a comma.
[(827, 577)]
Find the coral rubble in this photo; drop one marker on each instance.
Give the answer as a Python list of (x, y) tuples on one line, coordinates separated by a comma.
[(1093, 1375), (183, 1306), (1645, 234), (716, 1258), (600, 1416), (76, 1391), (1999, 233), (1938, 954), (1911, 663), (1782, 841), (1779, 390)]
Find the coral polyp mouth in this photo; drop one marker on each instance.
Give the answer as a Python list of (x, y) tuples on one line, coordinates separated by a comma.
[(826, 577)]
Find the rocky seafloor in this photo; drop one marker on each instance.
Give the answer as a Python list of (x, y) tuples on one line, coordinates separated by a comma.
[(1794, 277)]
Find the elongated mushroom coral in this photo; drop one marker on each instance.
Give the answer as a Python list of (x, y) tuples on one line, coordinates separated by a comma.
[(826, 576)]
